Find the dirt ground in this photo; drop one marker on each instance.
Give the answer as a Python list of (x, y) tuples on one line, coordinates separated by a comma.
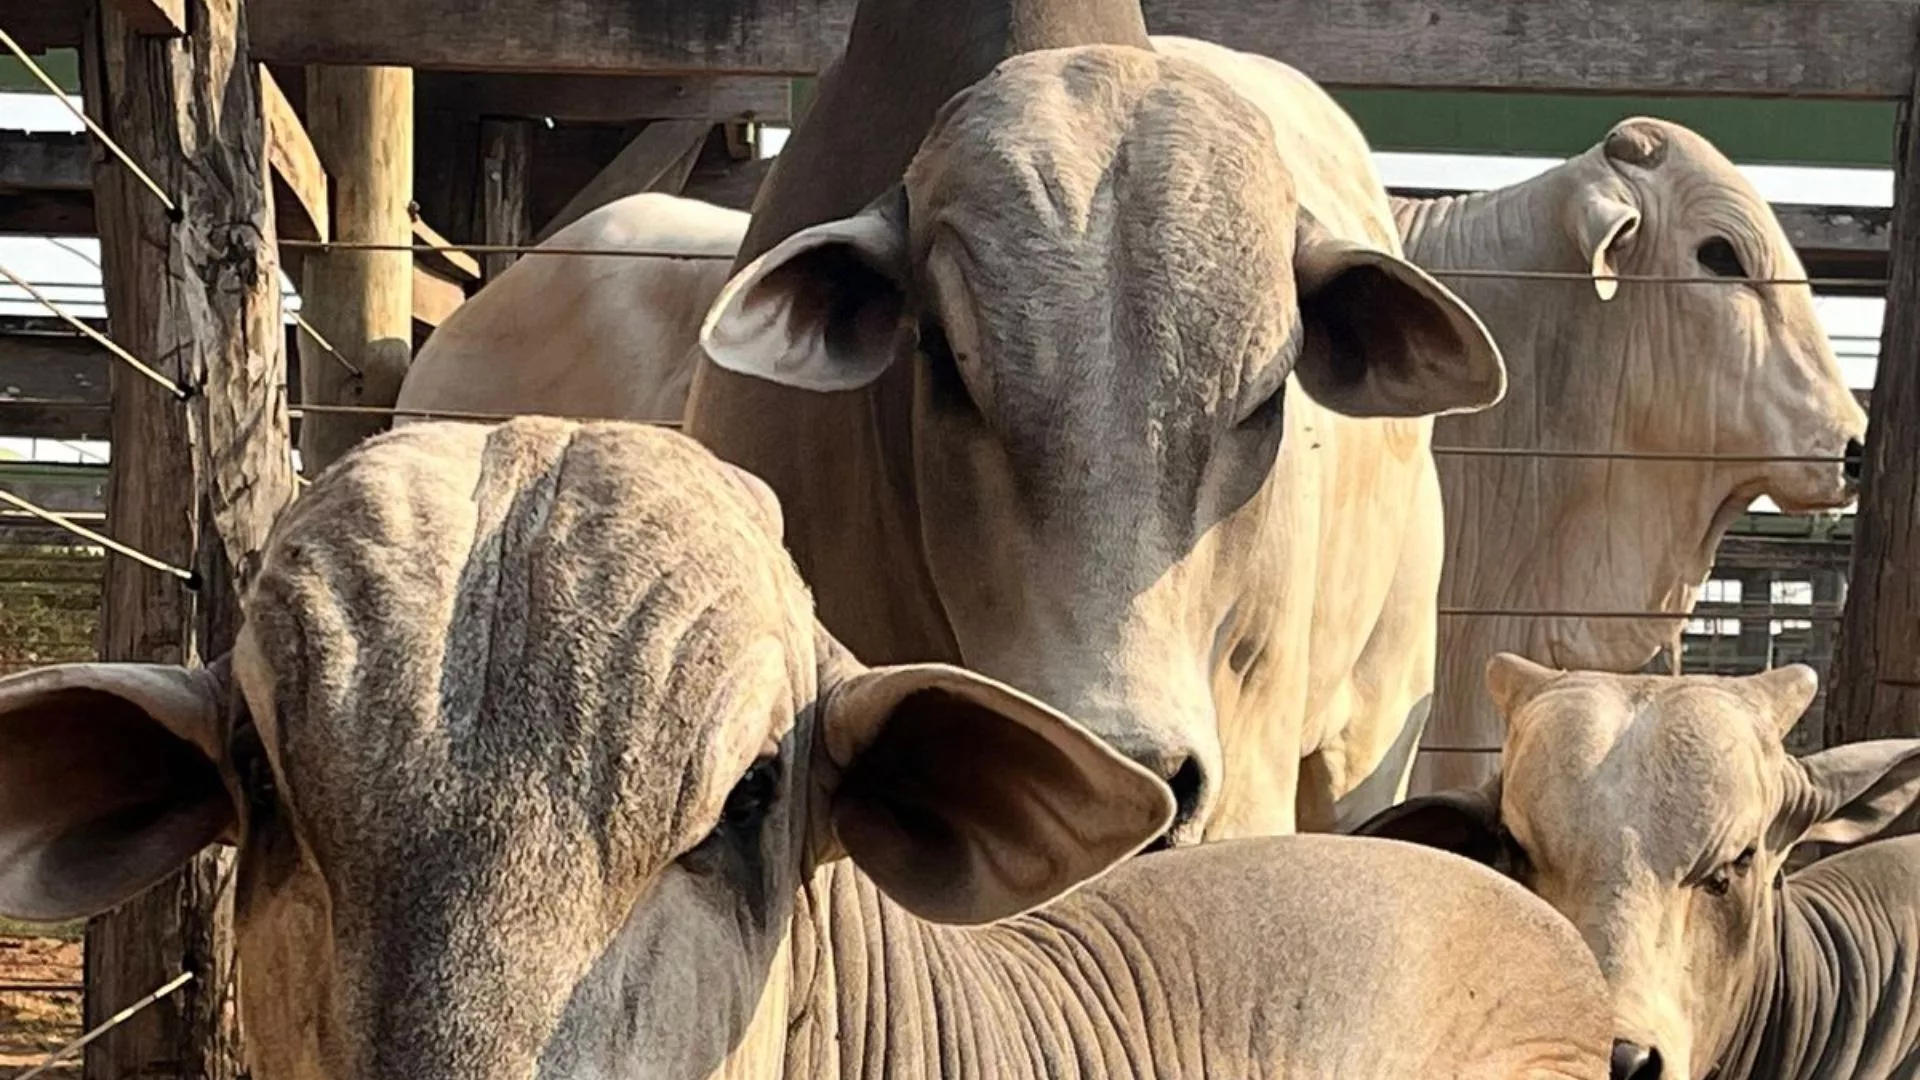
[(32, 1025)]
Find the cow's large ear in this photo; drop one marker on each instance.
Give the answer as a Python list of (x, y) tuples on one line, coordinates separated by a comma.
[(1849, 793), (967, 801), (1385, 339), (1465, 821), (1601, 223), (824, 310), (109, 781)]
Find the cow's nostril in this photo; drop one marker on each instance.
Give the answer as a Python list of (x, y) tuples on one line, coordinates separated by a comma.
[(1856, 454), (1188, 784), (1631, 1061)]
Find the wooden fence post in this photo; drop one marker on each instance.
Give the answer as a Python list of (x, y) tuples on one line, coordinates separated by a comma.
[(195, 481), (361, 121), (506, 159), (1875, 684)]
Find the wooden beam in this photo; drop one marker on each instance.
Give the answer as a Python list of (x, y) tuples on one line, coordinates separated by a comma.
[(506, 149), (451, 264), (45, 161), (52, 420), (733, 186), (199, 297), (361, 121), (155, 18), (52, 367), (59, 213), (1876, 673), (39, 25), (434, 298), (603, 99), (300, 190), (1660, 47), (658, 159)]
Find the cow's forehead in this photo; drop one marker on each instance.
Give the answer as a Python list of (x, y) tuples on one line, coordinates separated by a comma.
[(1682, 765), (544, 621)]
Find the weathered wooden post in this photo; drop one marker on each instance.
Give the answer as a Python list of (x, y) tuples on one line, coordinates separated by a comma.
[(506, 158), (197, 476), (361, 121), (1875, 685)]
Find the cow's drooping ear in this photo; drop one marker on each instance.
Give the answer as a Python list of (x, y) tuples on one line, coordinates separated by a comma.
[(1601, 223), (823, 310), (1513, 680), (110, 779), (967, 801), (1382, 338), (1847, 794), (1465, 821)]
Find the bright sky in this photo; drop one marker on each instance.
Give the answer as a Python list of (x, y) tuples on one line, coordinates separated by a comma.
[(67, 269)]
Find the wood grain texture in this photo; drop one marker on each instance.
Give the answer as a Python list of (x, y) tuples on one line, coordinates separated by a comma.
[(608, 98), (199, 297), (1807, 48), (361, 122), (506, 149), (300, 182), (1875, 689)]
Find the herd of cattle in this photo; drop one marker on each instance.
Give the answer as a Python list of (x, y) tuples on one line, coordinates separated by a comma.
[(1017, 667)]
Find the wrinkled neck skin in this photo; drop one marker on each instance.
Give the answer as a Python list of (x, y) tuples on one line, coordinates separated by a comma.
[(874, 104), (1513, 538), (878, 993), (1833, 990)]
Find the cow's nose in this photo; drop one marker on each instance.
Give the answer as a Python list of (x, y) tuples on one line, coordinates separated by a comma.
[(1631, 1061), (1188, 780), (1851, 462)]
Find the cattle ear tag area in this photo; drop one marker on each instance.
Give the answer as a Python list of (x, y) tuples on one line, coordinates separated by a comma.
[(1600, 224)]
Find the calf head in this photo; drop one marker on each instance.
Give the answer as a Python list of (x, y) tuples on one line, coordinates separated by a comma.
[(1093, 285), (529, 743), (1705, 367), (1656, 813)]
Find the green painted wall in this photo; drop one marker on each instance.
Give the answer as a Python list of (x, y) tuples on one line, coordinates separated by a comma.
[(1755, 132), (62, 64)]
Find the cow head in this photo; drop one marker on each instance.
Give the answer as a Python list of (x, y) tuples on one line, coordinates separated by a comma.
[(529, 743), (1656, 813), (1733, 369), (1095, 285)]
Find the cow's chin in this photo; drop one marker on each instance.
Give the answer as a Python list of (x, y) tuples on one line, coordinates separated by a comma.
[(1822, 489)]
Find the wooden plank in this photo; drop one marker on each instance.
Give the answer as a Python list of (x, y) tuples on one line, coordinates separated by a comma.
[(52, 420), (300, 203), (506, 149), (361, 121), (1876, 672), (201, 298), (658, 159), (156, 18), (604, 99), (61, 213), (52, 367), (434, 298), (452, 265), (1657, 47), (39, 25)]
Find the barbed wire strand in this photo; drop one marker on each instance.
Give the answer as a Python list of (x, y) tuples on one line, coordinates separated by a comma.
[(1637, 455), (460, 415), (109, 1024), (99, 338), (173, 209), (64, 522), (1809, 612), (1463, 272)]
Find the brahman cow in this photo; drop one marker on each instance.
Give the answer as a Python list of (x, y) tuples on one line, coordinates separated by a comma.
[(1598, 365), (1025, 411), (541, 768), (1656, 813)]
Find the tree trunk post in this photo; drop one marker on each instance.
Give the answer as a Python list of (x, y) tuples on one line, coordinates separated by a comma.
[(361, 302), (198, 477)]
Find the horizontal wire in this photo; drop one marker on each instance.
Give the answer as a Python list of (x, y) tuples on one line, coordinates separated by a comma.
[(1770, 612), (324, 246), (99, 338), (109, 1024), (457, 414), (64, 522), (1635, 455), (173, 210)]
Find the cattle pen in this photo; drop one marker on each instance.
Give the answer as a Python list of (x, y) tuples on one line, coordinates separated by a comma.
[(392, 158)]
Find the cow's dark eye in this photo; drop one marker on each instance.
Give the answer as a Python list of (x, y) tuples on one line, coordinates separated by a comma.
[(1720, 882), (751, 798), (941, 362), (1720, 259)]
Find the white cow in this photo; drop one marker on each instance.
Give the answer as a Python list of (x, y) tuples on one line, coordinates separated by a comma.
[(539, 767), (1739, 370), (595, 336)]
